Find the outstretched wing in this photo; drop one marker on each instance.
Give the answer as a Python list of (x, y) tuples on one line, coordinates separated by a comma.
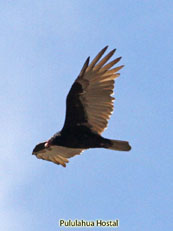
[(89, 101), (58, 154)]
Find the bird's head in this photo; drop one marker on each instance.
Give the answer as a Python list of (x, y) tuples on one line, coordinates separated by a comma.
[(40, 147)]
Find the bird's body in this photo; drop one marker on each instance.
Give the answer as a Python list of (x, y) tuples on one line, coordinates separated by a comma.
[(89, 105), (78, 137)]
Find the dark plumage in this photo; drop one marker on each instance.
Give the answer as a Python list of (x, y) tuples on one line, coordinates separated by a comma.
[(89, 105)]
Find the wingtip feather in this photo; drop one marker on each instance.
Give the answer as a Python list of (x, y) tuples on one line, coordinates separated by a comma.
[(105, 48), (84, 66)]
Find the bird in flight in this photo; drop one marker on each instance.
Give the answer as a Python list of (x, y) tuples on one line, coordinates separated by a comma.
[(89, 105)]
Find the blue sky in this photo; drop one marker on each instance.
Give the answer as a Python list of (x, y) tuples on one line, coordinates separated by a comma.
[(43, 45)]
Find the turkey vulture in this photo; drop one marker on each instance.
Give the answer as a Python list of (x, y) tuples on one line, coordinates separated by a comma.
[(89, 105)]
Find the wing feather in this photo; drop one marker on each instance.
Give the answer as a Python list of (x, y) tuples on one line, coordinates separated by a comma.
[(104, 60), (112, 63), (95, 60), (90, 99), (58, 154)]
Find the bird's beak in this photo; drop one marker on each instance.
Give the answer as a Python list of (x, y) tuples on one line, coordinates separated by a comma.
[(46, 145)]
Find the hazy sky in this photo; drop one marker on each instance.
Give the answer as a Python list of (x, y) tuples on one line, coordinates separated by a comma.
[(43, 45)]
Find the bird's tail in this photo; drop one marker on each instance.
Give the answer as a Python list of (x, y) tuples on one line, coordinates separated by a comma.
[(119, 145)]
